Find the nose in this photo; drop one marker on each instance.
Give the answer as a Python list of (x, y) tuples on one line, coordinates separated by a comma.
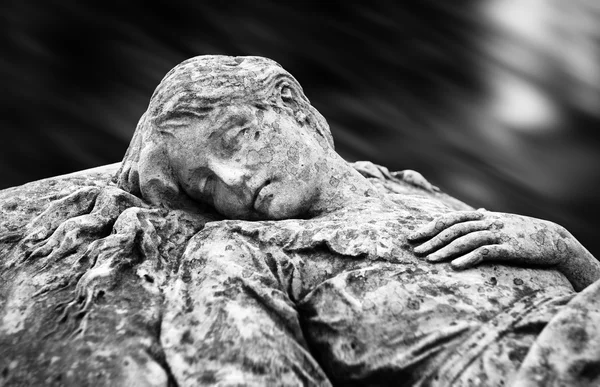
[(231, 176)]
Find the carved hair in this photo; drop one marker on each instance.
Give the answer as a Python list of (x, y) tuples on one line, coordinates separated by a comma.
[(193, 88)]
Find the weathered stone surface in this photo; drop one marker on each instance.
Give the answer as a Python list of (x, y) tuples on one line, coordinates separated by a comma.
[(88, 312), (332, 278)]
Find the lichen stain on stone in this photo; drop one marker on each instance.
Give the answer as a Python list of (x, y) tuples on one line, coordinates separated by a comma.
[(19, 307), (46, 327), (104, 288)]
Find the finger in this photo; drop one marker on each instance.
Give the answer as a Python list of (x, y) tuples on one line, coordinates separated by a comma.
[(434, 227), (464, 245), (368, 169), (450, 234), (416, 179), (384, 171), (481, 254)]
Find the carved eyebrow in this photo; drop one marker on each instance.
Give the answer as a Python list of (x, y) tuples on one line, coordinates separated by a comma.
[(188, 111), (180, 116)]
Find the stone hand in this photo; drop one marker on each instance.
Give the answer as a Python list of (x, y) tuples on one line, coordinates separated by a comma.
[(468, 238), (369, 169), (471, 237)]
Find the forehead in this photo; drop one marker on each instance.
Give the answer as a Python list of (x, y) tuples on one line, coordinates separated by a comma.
[(209, 81), (207, 129)]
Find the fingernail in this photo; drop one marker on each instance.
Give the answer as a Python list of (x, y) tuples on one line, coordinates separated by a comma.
[(412, 237), (434, 258), (419, 249), (458, 264)]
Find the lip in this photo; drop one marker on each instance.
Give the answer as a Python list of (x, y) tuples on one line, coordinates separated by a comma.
[(257, 199)]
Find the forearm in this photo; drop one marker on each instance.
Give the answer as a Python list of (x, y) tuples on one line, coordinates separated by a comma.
[(577, 263)]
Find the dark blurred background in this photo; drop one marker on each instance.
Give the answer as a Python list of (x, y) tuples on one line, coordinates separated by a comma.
[(497, 102)]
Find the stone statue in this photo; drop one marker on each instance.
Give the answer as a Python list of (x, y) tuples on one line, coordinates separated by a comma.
[(235, 247)]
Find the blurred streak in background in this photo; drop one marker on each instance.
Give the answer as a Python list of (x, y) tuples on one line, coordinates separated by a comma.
[(497, 102)]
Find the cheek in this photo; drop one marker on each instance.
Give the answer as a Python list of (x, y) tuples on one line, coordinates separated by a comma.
[(301, 180), (228, 204), (291, 200), (254, 156), (281, 147), (296, 161)]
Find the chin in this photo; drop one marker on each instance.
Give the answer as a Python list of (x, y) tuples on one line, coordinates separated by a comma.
[(279, 210)]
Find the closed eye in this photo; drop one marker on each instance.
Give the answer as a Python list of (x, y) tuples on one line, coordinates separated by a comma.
[(232, 139)]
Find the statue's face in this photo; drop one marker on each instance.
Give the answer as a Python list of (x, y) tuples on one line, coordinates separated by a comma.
[(250, 161)]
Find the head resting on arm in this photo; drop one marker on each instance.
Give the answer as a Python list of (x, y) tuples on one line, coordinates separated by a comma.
[(193, 100)]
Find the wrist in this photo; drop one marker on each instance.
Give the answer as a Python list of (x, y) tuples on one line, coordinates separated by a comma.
[(579, 266)]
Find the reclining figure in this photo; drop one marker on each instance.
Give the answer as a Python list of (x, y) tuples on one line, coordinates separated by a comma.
[(318, 276), (333, 291)]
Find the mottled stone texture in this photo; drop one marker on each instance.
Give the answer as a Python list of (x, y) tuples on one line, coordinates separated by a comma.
[(83, 272), (87, 310), (111, 303), (129, 275)]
